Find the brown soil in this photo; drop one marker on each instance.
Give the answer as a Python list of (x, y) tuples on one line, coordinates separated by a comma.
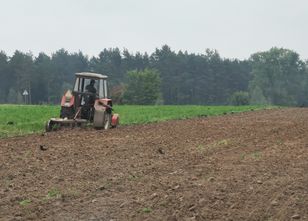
[(248, 166)]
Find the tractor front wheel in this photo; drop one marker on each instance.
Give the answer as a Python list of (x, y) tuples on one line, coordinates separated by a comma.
[(107, 123)]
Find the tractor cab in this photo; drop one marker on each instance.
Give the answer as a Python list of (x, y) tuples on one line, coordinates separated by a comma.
[(89, 88), (91, 84)]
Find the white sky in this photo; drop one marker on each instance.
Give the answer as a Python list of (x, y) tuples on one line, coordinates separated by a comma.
[(236, 28)]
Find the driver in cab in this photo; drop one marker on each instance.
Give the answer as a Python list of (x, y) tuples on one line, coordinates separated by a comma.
[(90, 87)]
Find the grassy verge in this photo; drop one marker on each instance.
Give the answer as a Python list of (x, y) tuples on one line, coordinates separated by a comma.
[(25, 119), (146, 114)]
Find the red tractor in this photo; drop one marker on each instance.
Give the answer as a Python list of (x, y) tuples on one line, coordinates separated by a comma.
[(88, 103)]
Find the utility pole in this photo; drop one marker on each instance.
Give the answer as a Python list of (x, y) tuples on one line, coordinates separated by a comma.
[(30, 98)]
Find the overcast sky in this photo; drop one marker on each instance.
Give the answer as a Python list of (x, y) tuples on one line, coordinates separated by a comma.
[(236, 28)]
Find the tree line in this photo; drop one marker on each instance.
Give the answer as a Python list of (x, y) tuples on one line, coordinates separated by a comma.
[(277, 76)]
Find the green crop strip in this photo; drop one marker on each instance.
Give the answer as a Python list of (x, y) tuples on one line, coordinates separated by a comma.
[(16, 120)]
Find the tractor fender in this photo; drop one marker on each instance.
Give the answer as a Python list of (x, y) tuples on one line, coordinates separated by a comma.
[(68, 99), (98, 105), (103, 104)]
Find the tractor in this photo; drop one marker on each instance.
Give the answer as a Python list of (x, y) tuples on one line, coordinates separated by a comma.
[(88, 103)]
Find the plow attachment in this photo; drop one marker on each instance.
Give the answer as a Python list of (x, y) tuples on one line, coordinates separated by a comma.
[(57, 123)]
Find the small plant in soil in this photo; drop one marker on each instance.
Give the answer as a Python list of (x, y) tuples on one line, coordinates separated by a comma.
[(256, 155), (219, 144), (53, 193), (146, 210), (200, 147), (242, 156), (132, 177), (223, 142), (25, 202)]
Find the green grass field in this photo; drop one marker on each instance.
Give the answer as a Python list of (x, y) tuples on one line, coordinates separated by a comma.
[(18, 120)]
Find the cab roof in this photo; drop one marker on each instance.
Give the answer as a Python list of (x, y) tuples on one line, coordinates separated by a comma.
[(91, 75)]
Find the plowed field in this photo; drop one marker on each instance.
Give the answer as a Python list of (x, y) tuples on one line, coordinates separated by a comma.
[(246, 166)]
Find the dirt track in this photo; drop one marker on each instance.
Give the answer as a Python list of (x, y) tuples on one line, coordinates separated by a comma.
[(249, 166)]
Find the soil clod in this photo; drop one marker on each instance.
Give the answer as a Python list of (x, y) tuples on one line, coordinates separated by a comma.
[(43, 147)]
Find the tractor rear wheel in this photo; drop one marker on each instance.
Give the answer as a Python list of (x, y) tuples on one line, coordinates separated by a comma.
[(102, 119)]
